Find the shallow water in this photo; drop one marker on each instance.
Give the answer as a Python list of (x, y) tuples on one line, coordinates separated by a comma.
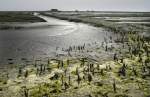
[(41, 41)]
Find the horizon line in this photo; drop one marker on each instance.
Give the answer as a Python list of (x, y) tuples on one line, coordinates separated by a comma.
[(77, 10)]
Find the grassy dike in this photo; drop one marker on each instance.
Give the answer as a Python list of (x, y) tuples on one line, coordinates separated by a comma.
[(17, 17)]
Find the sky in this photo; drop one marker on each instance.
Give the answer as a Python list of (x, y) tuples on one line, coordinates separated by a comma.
[(95, 5)]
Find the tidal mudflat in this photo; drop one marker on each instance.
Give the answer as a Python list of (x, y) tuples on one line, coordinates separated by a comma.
[(77, 56)]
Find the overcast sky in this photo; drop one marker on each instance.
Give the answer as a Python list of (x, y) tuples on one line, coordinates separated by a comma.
[(101, 5)]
